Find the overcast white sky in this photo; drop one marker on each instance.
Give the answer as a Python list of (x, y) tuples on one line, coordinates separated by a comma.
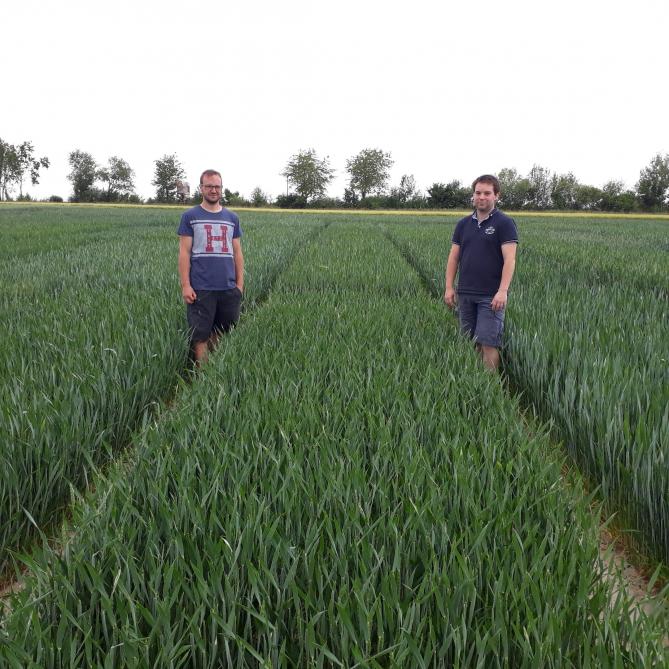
[(451, 89)]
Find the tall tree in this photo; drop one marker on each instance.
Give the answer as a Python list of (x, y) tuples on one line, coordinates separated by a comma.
[(308, 174), (564, 189), (8, 168), (588, 198), (449, 196), (539, 191), (653, 184), (259, 198), (118, 177), (401, 195), (369, 171), (15, 163), (27, 163), (514, 189), (167, 172), (83, 172), (407, 189), (615, 197)]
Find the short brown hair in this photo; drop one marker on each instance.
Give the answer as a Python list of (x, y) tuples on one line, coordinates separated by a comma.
[(210, 173), (488, 179)]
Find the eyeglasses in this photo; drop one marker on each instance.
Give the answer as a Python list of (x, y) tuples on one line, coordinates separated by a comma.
[(208, 187)]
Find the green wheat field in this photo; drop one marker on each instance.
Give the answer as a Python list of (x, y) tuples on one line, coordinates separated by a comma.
[(342, 485)]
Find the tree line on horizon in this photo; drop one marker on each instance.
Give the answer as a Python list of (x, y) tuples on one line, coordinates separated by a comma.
[(308, 177)]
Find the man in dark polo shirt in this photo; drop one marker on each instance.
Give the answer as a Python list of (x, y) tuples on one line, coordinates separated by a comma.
[(211, 266), (484, 250)]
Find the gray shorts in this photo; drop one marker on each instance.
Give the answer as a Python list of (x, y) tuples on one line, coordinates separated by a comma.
[(478, 321)]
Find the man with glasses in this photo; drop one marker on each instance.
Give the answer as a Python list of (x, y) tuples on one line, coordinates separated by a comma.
[(211, 267), (484, 250)]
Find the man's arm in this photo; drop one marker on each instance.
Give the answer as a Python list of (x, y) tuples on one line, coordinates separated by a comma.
[(501, 296), (185, 246), (239, 263), (451, 271)]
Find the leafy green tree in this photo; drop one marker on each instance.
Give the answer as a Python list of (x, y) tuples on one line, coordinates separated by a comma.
[(436, 195), (514, 189), (291, 201), (563, 191), (308, 174), (404, 193), (653, 184), (196, 197), (259, 198), (118, 177), (615, 197), (369, 172), (27, 163), (588, 198), (167, 172), (452, 195), (401, 195), (8, 168), (350, 198), (15, 163), (540, 188), (232, 198), (83, 172)]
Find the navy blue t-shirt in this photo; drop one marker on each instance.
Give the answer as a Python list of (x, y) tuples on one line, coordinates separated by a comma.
[(212, 265), (481, 260)]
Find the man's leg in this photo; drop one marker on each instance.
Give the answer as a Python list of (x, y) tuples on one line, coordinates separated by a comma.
[(489, 329), (200, 316), (200, 351), (228, 306), (467, 315), (490, 357)]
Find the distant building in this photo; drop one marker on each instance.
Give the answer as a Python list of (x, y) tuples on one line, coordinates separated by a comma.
[(183, 190)]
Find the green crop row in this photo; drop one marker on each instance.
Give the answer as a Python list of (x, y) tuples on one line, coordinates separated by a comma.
[(342, 486), (94, 335), (588, 343)]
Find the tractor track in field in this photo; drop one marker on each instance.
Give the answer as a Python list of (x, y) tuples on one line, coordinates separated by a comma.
[(12, 584), (617, 563), (620, 566)]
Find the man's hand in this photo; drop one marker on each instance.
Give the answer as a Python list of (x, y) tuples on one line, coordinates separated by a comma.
[(499, 301), (450, 298), (188, 294)]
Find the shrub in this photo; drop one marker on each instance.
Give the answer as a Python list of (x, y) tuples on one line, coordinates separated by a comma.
[(326, 203), (291, 201)]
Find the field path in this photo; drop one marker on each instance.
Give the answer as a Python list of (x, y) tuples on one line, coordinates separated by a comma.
[(265, 268), (617, 562), (342, 482)]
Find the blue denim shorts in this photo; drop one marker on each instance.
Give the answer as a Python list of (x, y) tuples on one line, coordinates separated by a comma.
[(478, 321)]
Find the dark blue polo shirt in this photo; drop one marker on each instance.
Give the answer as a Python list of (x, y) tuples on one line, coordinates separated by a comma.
[(481, 260)]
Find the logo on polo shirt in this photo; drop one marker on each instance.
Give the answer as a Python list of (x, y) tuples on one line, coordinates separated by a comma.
[(489, 230)]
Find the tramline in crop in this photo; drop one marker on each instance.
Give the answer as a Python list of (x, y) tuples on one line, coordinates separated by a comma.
[(342, 485), (588, 343), (94, 337)]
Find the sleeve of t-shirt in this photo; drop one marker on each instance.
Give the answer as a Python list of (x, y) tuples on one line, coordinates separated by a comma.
[(237, 232), (457, 234), (508, 232), (185, 228)]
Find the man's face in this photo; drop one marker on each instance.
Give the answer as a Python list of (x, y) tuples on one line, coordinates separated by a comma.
[(484, 198), (211, 189)]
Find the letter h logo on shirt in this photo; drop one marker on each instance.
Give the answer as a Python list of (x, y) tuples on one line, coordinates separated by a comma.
[(211, 238)]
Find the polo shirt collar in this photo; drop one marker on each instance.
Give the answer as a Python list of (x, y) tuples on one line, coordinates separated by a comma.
[(490, 215)]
